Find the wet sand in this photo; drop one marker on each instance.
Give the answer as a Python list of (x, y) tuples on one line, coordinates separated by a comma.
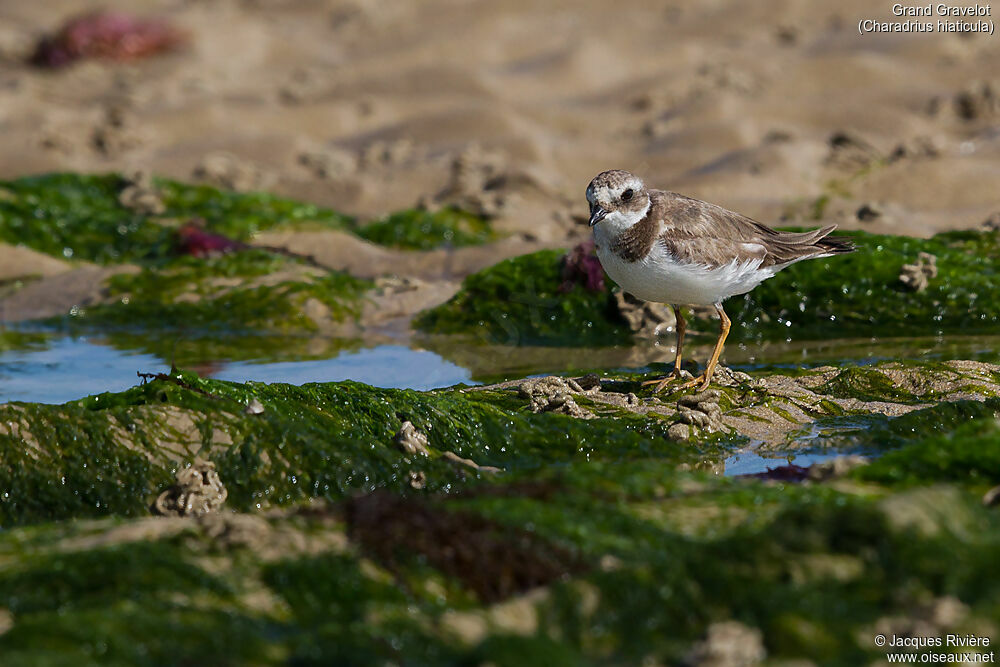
[(373, 106)]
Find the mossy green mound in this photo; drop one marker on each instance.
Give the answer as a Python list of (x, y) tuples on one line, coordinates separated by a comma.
[(115, 451), (861, 294), (519, 301), (79, 216), (252, 290), (591, 527), (970, 453), (425, 230)]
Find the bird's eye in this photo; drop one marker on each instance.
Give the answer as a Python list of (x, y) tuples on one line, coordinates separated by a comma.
[(627, 194)]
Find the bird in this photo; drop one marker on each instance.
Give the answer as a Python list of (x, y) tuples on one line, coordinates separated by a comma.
[(667, 248)]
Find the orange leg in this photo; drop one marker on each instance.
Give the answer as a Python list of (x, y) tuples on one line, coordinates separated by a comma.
[(706, 379), (681, 327)]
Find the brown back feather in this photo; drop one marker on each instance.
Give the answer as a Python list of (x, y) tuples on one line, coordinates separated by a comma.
[(703, 233)]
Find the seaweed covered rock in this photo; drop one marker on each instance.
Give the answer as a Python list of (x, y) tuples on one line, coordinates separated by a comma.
[(110, 219), (521, 301), (198, 491), (251, 291), (419, 229), (861, 294), (97, 217), (556, 558), (114, 453)]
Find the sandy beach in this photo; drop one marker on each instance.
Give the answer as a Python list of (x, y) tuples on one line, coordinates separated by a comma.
[(785, 113)]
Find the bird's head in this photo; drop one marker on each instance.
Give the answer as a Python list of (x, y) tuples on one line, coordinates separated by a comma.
[(617, 197)]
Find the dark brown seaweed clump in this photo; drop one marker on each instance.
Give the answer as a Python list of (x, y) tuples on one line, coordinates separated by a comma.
[(494, 560)]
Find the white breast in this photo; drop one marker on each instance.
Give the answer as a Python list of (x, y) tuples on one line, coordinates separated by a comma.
[(660, 278)]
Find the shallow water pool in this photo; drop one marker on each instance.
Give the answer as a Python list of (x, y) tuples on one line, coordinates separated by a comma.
[(66, 368)]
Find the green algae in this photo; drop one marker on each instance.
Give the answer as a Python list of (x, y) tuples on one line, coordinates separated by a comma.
[(314, 441), (878, 433), (865, 384), (134, 603), (815, 568), (860, 293), (12, 340), (800, 565), (763, 571), (417, 229), (968, 454), (79, 216), (219, 293), (240, 215), (519, 302), (332, 604)]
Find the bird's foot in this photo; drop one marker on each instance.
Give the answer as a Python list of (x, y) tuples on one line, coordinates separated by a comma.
[(701, 380), (661, 383)]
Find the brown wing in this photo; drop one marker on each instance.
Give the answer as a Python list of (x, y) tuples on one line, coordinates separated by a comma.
[(704, 233)]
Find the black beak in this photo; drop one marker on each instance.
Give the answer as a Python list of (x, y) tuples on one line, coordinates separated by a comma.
[(597, 214)]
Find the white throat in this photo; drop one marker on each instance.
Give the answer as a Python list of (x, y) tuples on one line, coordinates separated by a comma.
[(619, 221)]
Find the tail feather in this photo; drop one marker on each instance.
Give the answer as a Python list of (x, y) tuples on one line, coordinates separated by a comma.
[(835, 245), (789, 247)]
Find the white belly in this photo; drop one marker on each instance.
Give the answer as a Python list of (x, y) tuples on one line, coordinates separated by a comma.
[(661, 279)]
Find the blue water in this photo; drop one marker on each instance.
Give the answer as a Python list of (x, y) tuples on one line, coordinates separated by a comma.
[(71, 368), (751, 463)]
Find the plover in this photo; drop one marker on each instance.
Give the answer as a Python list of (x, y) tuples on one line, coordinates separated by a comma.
[(664, 247)]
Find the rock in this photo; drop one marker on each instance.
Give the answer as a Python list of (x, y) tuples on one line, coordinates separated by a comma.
[(916, 277), (554, 394), (140, 195), (381, 153), (700, 410), (870, 212), (469, 463), (838, 467), (992, 497), (231, 172), (644, 317), (254, 407), (418, 479), (979, 100), (917, 147), (728, 644), (6, 620), (197, 492), (119, 132), (329, 163), (817, 472), (928, 619), (992, 223), (474, 183), (410, 440), (850, 151), (727, 377), (679, 432)]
